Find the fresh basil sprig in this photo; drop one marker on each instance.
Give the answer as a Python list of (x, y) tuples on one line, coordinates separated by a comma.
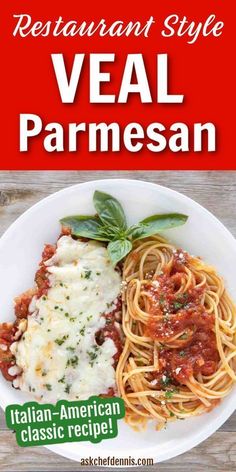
[(118, 249), (86, 226), (109, 211), (155, 223), (110, 225)]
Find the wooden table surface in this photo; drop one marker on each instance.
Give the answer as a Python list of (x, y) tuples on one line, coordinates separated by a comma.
[(214, 190)]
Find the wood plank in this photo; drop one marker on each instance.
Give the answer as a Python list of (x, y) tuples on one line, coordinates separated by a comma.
[(217, 453), (215, 190)]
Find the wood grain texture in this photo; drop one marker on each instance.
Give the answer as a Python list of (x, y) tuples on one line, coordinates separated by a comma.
[(214, 190)]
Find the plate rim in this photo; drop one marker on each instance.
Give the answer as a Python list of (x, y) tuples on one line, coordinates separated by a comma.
[(213, 426)]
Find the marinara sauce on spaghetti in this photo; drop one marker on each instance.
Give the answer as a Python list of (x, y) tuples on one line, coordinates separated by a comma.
[(180, 329), (183, 317)]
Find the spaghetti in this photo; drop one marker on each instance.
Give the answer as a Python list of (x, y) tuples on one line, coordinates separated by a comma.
[(180, 335)]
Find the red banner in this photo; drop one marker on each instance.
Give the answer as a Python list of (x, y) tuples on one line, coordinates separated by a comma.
[(139, 131)]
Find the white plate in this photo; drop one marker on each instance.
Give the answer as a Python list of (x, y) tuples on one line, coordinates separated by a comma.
[(20, 252)]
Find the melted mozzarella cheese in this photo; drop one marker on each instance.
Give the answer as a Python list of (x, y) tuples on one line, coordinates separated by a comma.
[(58, 353)]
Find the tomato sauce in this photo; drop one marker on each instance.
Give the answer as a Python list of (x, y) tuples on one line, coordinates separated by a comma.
[(41, 277), (183, 327), (111, 330), (7, 333), (110, 393)]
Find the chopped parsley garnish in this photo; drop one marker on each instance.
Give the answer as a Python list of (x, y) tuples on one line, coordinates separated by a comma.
[(60, 341), (182, 295), (183, 336), (44, 298), (170, 393), (73, 361), (161, 300), (181, 301), (87, 274), (44, 372), (48, 387), (165, 380), (70, 348), (67, 297), (182, 353), (62, 380), (72, 318), (66, 315), (93, 355), (67, 388), (177, 305), (171, 413), (89, 317), (82, 331), (98, 273), (56, 307)]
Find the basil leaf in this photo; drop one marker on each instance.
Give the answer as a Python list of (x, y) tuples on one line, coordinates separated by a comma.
[(154, 224), (118, 249), (86, 226), (109, 210)]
